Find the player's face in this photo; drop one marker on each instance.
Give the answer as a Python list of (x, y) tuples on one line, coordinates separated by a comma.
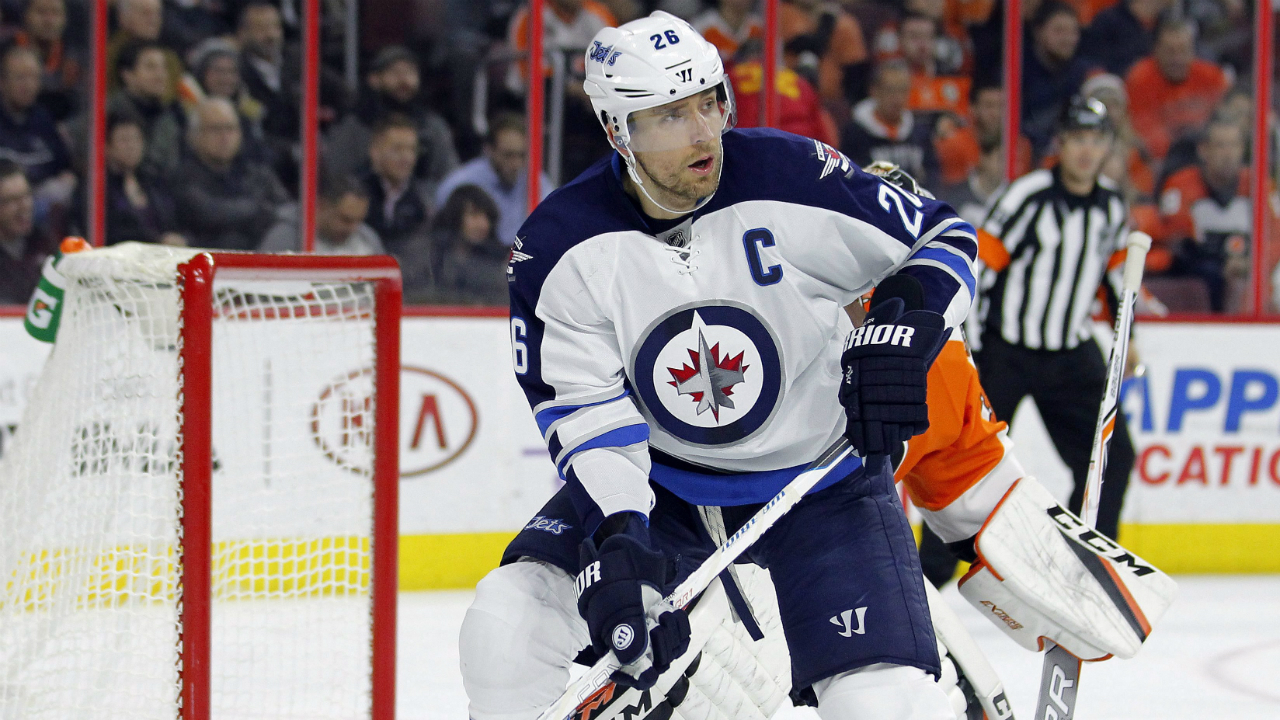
[(677, 147), (1082, 152)]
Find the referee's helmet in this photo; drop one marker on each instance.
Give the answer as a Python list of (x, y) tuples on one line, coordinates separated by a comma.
[(1083, 113)]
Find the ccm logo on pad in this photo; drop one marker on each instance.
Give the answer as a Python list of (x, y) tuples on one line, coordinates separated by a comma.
[(899, 335)]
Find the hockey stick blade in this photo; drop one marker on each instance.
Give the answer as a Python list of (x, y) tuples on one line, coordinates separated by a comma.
[(1060, 674), (595, 690)]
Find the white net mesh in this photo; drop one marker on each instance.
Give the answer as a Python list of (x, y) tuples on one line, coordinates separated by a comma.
[(90, 501)]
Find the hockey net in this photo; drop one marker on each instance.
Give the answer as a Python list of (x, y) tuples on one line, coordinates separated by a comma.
[(197, 515)]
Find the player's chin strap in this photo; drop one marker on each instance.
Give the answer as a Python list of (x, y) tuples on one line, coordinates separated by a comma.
[(628, 157)]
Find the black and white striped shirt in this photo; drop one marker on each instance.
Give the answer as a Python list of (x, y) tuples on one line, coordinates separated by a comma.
[(1059, 245)]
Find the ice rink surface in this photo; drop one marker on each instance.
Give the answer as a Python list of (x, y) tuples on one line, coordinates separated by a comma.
[(1215, 655)]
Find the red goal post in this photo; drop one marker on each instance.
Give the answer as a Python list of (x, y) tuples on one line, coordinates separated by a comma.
[(197, 277)]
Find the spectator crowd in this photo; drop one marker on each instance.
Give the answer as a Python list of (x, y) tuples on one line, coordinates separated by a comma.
[(425, 158)]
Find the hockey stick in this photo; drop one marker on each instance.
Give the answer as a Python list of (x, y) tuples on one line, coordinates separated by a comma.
[(1060, 674), (595, 691), (966, 654)]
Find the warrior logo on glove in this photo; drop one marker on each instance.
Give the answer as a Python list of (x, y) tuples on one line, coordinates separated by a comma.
[(622, 637), (885, 365), (899, 335)]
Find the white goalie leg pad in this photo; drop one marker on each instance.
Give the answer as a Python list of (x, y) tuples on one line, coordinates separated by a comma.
[(964, 516), (739, 677), (518, 641), (882, 691), (1042, 573)]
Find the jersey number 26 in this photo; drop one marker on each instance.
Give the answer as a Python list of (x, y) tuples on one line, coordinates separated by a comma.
[(912, 219)]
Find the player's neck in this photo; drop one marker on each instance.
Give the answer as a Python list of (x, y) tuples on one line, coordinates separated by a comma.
[(647, 205)]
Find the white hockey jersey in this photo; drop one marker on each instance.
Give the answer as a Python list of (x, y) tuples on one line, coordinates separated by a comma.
[(704, 353)]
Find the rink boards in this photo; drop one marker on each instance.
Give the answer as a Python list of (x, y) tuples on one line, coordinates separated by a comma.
[(1205, 495)]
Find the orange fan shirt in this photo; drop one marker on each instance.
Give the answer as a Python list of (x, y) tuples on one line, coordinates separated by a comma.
[(940, 93), (1161, 110), (960, 151), (563, 31), (726, 39), (1188, 209)]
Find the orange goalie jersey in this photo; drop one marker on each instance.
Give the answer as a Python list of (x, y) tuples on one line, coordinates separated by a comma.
[(964, 445)]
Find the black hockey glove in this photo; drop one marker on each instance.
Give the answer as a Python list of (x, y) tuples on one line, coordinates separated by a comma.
[(620, 598), (886, 363)]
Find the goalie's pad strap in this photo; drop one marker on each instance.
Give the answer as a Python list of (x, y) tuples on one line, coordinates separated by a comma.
[(1042, 573)]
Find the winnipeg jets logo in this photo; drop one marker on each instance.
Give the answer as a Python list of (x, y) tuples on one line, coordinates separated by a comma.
[(709, 375), (831, 159), (516, 256), (711, 379), (845, 620)]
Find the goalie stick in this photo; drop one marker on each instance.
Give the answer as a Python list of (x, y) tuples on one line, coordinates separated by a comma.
[(595, 690), (1060, 674)]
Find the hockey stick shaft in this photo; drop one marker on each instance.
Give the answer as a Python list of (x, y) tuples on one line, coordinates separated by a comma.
[(1060, 674), (588, 693), (1138, 245), (969, 657)]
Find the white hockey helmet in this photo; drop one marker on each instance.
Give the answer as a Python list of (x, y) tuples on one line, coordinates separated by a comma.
[(650, 62)]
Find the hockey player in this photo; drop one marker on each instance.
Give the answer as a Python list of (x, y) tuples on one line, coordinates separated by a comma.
[(676, 326)]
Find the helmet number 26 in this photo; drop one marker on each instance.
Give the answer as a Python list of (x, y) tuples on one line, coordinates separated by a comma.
[(661, 40)]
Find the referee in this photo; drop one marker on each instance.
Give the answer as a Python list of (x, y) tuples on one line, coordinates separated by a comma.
[(1048, 241)]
